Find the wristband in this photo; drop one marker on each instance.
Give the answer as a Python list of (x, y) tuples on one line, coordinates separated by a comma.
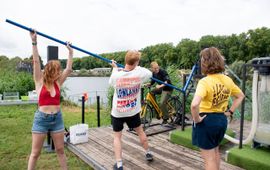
[(229, 110), (34, 43)]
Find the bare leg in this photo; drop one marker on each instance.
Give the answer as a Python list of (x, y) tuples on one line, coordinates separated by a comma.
[(142, 136), (217, 156), (209, 157), (58, 140), (37, 143), (117, 145)]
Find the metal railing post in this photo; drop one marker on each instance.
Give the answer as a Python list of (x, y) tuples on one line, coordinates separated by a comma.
[(184, 105), (98, 111), (242, 107), (83, 108)]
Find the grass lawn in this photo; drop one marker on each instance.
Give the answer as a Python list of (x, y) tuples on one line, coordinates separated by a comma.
[(249, 158), (246, 158), (15, 136)]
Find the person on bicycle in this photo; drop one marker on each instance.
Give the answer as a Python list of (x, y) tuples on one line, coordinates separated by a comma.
[(126, 105), (162, 89)]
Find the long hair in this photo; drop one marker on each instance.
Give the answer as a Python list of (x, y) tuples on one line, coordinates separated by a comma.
[(212, 61), (52, 72)]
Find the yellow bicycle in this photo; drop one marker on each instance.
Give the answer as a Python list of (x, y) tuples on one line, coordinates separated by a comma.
[(151, 109)]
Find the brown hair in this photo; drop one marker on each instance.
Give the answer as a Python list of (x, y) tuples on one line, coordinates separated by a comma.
[(52, 72), (211, 61), (132, 56)]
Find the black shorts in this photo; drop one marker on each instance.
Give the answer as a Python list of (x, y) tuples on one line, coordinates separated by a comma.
[(209, 133), (132, 122)]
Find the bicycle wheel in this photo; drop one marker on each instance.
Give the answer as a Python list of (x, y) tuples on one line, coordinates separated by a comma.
[(147, 116), (175, 109)]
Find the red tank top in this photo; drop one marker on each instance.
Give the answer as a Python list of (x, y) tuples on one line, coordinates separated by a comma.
[(45, 97)]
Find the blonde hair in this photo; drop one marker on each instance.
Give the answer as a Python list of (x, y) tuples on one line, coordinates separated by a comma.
[(132, 56), (153, 63), (52, 72)]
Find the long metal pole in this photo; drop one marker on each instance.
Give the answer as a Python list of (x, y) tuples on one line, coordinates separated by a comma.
[(82, 50), (194, 68), (61, 42), (242, 107)]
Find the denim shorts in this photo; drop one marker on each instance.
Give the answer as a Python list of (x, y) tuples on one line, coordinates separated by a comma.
[(44, 122), (209, 133)]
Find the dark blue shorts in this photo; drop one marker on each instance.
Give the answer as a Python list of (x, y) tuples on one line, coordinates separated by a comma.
[(44, 122), (209, 133)]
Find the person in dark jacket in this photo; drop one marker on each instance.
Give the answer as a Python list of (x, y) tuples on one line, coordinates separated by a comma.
[(162, 89)]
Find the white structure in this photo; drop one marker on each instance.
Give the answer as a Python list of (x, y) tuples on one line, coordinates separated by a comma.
[(101, 70)]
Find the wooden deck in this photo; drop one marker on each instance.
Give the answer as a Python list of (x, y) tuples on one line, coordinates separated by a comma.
[(99, 154)]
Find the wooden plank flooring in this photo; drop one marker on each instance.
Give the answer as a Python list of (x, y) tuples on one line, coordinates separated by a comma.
[(99, 154)]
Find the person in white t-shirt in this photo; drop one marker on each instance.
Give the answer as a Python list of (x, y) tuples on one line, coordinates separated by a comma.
[(126, 105)]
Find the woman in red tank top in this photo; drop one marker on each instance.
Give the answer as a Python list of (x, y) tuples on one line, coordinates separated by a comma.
[(48, 117)]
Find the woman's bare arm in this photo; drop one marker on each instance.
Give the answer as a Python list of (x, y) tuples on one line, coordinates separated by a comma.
[(68, 68), (37, 74)]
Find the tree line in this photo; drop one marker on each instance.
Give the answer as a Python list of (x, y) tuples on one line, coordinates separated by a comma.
[(242, 47)]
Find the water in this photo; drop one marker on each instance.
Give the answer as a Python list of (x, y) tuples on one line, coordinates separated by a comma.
[(93, 86)]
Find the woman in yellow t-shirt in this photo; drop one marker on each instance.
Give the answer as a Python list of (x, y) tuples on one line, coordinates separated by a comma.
[(209, 106)]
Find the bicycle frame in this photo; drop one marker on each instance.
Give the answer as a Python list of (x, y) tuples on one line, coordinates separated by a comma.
[(150, 99)]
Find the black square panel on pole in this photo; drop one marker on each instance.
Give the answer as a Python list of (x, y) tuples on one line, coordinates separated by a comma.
[(52, 53)]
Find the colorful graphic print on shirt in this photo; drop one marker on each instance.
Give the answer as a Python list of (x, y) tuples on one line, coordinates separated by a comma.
[(127, 90)]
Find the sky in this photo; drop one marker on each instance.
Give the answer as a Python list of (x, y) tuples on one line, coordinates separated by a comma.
[(102, 26)]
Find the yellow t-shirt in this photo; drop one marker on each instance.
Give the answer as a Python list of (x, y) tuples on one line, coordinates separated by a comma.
[(215, 90)]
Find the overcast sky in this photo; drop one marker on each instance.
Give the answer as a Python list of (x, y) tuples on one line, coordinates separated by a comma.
[(101, 26)]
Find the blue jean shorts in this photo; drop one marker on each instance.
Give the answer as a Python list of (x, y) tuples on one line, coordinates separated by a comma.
[(44, 122), (209, 133)]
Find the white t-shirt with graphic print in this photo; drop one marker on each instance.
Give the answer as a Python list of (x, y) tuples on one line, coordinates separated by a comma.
[(127, 90)]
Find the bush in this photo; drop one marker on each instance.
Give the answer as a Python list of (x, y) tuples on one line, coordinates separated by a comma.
[(21, 82), (110, 97)]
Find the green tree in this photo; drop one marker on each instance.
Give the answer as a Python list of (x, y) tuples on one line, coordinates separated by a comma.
[(161, 53), (258, 42), (3, 62), (11, 81), (187, 50), (63, 63), (86, 63), (76, 64)]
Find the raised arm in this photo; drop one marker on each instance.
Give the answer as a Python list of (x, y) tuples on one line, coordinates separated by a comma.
[(114, 70), (68, 68), (37, 74)]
